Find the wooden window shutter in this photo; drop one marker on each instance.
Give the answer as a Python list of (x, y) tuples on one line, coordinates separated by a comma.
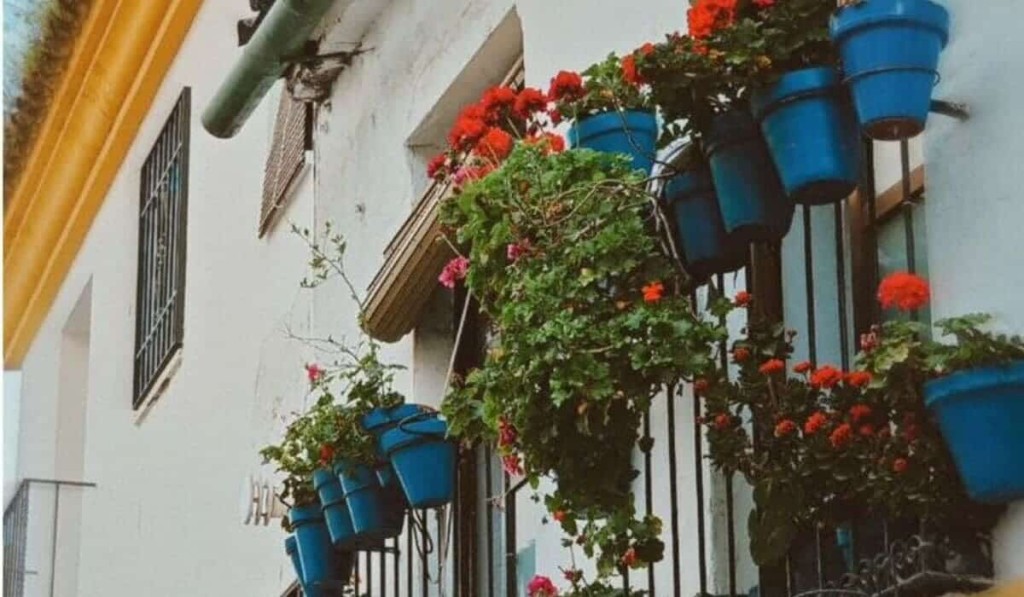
[(286, 159), (413, 259)]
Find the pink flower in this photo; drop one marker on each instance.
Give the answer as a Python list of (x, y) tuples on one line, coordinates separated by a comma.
[(507, 433), (455, 270), (314, 372), (516, 250), (541, 586), (512, 465)]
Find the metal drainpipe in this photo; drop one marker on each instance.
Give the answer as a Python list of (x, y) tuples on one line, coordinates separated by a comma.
[(279, 38)]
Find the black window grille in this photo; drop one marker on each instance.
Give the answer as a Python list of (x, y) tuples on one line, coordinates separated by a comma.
[(163, 209)]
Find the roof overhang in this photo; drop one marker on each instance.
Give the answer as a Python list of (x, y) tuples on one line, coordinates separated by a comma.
[(122, 54)]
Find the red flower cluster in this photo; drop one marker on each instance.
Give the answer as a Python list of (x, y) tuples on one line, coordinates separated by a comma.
[(559, 515), (512, 465), (326, 454), (629, 72), (842, 436), (455, 270), (900, 465), (742, 298), (859, 412), (772, 366), (858, 379), (740, 354), (529, 102), (566, 85), (826, 378), (629, 558), (764, 3), (784, 428), (496, 101), (515, 251), (723, 422), (815, 423), (437, 168), (906, 292), (803, 367), (700, 385), (653, 292), (469, 127), (708, 16), (507, 433), (550, 141), (495, 145)]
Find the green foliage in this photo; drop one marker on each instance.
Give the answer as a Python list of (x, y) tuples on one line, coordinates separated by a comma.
[(579, 352)]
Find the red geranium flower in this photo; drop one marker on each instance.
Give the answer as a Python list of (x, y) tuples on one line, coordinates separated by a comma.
[(629, 70), (496, 100), (495, 145), (841, 436), (566, 85), (512, 465), (764, 3), (803, 367), (742, 298), (866, 430), (858, 379), (708, 16), (700, 385), (326, 454), (723, 422), (900, 465), (826, 377), (529, 101), (455, 270), (653, 292), (469, 127), (740, 354), (784, 428), (437, 167), (815, 422), (507, 433), (559, 515), (314, 372), (552, 142), (906, 292), (859, 412), (629, 558), (772, 366)]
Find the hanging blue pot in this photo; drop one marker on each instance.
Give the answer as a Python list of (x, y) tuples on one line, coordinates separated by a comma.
[(753, 205), (890, 52), (811, 132), (380, 420), (324, 569), (423, 460), (633, 133), (377, 513), (291, 547), (980, 413), (336, 515), (700, 234)]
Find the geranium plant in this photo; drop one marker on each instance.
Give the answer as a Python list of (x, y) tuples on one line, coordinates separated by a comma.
[(834, 445), (611, 85), (582, 301)]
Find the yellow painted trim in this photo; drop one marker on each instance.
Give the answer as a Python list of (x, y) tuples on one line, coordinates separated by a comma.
[(117, 66)]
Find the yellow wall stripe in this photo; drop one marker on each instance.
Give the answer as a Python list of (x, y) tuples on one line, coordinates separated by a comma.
[(124, 54)]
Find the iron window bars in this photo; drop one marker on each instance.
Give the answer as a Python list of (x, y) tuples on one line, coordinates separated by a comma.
[(163, 211)]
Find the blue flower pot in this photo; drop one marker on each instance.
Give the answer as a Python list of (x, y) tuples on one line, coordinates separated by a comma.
[(753, 205), (700, 234), (323, 567), (809, 126), (377, 513), (423, 460), (291, 547), (890, 53), (380, 420), (336, 515), (632, 133), (980, 413)]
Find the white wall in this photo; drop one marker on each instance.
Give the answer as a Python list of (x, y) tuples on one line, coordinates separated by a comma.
[(165, 518), (975, 209), (12, 425)]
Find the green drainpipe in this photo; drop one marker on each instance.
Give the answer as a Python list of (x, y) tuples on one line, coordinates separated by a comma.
[(280, 37)]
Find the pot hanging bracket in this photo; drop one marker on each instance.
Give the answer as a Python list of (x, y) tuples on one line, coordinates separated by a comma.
[(955, 110)]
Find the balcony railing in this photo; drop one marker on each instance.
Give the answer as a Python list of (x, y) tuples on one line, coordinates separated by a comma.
[(41, 536)]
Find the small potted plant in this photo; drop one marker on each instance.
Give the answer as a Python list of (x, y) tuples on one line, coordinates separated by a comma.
[(610, 109), (700, 233), (974, 387), (778, 54), (320, 565), (709, 110), (890, 53)]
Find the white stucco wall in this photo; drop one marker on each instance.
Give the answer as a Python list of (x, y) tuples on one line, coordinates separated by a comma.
[(975, 211), (165, 518)]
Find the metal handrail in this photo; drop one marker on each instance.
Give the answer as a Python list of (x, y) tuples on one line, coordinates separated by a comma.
[(16, 532)]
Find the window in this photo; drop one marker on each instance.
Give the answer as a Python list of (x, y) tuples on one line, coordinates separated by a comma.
[(293, 136), (163, 209)]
